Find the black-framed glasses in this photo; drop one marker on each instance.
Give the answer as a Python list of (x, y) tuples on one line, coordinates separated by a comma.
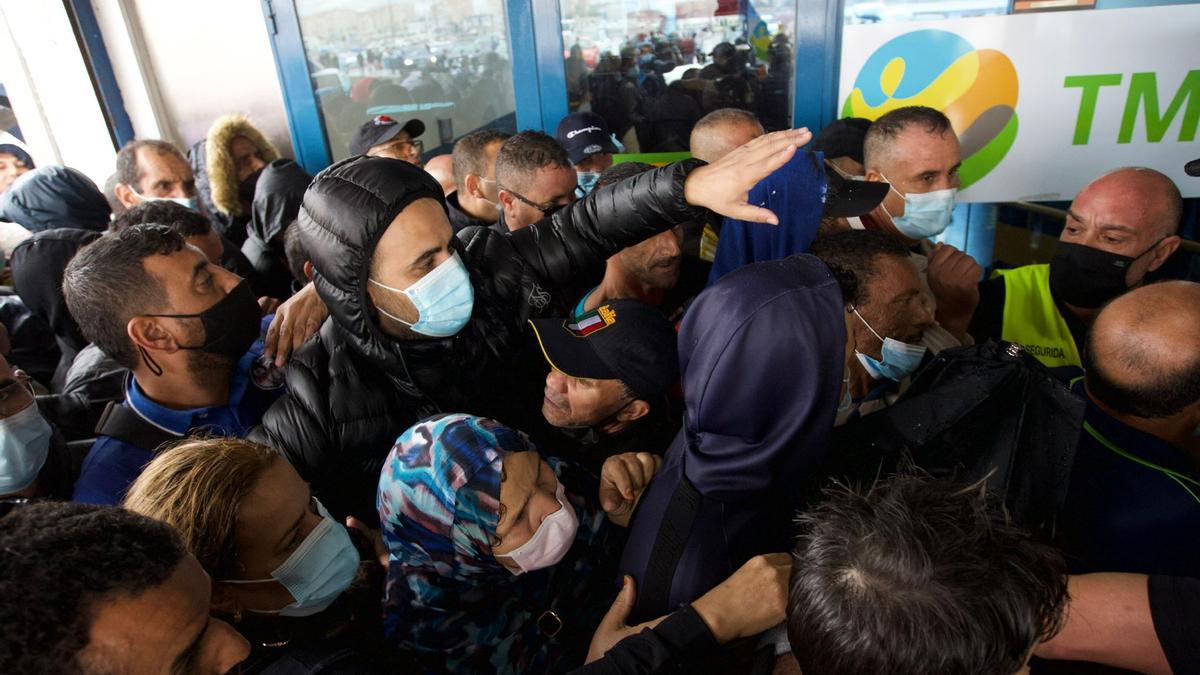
[(547, 209)]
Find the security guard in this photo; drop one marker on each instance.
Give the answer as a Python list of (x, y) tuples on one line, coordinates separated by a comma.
[(1120, 227)]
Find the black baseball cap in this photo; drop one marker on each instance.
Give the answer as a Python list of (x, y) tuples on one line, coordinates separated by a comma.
[(625, 340), (584, 134), (843, 138), (848, 198), (381, 129)]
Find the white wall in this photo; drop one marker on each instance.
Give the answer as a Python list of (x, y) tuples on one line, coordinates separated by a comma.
[(208, 58), (50, 89), (179, 64)]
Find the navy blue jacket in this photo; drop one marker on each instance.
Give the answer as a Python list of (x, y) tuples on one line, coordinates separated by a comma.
[(1121, 515), (761, 353), (55, 196)]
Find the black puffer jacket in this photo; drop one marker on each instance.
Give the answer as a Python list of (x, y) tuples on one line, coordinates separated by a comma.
[(277, 198), (37, 269), (352, 390)]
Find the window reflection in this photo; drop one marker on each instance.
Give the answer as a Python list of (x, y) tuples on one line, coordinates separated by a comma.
[(651, 69), (446, 63)]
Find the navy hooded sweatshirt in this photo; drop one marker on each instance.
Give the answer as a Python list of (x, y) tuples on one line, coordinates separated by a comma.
[(761, 353), (55, 196)]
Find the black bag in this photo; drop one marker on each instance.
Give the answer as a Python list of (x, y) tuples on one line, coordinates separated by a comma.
[(979, 412)]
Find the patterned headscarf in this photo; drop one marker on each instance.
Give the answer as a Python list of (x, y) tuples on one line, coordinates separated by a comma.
[(448, 600)]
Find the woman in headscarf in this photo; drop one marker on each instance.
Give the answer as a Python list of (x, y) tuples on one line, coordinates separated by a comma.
[(500, 561)]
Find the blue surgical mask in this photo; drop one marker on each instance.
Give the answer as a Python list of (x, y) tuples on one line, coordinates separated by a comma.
[(586, 181), (900, 359), (24, 445), (444, 299), (317, 572), (926, 214), (188, 203)]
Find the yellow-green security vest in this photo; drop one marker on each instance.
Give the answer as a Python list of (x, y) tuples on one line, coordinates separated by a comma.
[(1032, 319)]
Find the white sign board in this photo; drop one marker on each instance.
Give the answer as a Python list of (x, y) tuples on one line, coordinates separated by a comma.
[(1042, 103)]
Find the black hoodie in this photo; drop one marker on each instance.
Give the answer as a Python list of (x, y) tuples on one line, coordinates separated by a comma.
[(352, 390), (55, 196), (37, 269), (277, 198)]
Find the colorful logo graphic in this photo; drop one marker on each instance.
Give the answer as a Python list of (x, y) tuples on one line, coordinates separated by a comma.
[(976, 88)]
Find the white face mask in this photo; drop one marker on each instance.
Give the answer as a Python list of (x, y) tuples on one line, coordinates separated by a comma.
[(188, 203), (552, 540)]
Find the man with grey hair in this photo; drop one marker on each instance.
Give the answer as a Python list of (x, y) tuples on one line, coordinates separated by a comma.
[(1121, 227), (534, 178)]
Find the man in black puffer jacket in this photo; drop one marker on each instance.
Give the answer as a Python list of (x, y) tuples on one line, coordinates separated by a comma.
[(423, 322)]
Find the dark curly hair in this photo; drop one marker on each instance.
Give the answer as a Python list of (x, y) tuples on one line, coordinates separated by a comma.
[(186, 222), (852, 256), (60, 560)]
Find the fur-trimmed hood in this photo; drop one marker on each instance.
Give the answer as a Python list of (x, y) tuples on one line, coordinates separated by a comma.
[(222, 174)]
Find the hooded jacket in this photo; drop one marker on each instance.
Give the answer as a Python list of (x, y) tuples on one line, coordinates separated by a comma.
[(216, 175), (277, 199), (761, 353), (55, 196), (37, 268), (352, 390)]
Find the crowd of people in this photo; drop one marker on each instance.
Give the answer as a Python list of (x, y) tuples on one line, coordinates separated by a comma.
[(523, 408)]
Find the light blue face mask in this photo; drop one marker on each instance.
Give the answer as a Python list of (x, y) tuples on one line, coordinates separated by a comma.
[(926, 214), (188, 203), (900, 359), (586, 182), (444, 299), (24, 445), (317, 572)]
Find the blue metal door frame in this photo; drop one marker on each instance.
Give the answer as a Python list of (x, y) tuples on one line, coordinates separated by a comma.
[(305, 124)]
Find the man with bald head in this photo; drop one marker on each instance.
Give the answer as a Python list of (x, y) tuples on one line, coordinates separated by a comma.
[(720, 131), (1120, 227), (441, 168), (1134, 499)]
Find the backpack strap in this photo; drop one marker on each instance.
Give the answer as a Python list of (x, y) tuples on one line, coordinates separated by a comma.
[(669, 545), (122, 423)]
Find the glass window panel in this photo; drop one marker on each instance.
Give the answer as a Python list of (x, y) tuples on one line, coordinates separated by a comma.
[(894, 11), (651, 68), (445, 62)]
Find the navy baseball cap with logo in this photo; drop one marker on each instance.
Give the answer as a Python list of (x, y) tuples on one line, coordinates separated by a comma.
[(584, 134), (625, 340), (381, 129)]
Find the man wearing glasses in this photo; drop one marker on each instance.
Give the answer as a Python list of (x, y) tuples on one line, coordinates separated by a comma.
[(383, 136), (535, 178)]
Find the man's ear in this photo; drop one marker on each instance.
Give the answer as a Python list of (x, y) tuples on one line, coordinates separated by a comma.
[(1164, 250), (147, 333), (506, 198), (125, 195), (308, 270), (874, 176), (471, 186), (633, 412)]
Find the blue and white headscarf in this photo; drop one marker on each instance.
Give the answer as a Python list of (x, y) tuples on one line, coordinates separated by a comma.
[(448, 600)]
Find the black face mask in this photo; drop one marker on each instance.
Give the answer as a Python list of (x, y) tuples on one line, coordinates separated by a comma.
[(230, 326), (246, 186), (1087, 277)]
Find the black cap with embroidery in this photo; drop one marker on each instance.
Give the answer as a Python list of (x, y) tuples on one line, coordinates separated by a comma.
[(625, 340), (584, 134), (381, 129)]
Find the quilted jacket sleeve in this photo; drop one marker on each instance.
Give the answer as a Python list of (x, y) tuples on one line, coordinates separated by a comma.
[(577, 240)]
